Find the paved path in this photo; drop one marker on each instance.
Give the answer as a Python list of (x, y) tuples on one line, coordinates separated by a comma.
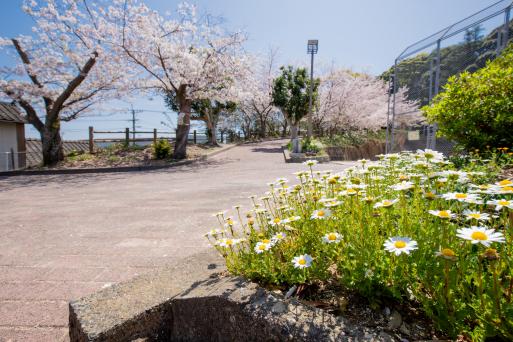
[(65, 236)]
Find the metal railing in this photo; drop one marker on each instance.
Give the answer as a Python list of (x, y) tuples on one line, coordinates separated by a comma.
[(425, 66)]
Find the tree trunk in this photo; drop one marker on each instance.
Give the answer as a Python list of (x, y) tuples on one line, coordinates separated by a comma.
[(212, 133), (284, 131), (183, 127), (294, 128), (262, 127), (52, 144)]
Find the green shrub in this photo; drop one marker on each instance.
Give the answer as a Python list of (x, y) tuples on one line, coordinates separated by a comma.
[(161, 149), (476, 109), (353, 138), (311, 146)]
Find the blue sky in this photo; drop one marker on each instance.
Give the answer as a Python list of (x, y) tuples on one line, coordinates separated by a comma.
[(366, 35)]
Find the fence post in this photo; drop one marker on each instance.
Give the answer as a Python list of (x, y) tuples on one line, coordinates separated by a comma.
[(194, 136), (91, 139), (222, 137), (12, 159), (238, 134), (127, 136), (154, 136)]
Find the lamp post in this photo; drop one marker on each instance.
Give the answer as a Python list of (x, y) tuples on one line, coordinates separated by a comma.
[(312, 48)]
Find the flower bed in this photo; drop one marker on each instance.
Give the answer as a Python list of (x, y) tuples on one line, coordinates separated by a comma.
[(408, 228)]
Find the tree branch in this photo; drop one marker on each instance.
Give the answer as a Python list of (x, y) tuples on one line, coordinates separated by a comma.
[(72, 85), (26, 62)]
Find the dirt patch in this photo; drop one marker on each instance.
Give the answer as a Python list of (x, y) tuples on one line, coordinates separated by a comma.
[(119, 156), (401, 321)]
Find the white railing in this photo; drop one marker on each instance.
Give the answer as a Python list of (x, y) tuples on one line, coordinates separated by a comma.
[(12, 161)]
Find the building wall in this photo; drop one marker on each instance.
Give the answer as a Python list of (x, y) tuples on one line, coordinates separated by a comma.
[(8, 140)]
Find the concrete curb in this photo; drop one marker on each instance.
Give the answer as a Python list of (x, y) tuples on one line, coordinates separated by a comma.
[(175, 304), (114, 169)]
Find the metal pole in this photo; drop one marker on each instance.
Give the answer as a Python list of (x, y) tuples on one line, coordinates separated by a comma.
[(392, 134), (431, 136), (133, 126), (505, 36), (309, 130), (390, 90)]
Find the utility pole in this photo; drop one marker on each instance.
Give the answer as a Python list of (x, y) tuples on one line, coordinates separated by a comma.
[(134, 120), (312, 48)]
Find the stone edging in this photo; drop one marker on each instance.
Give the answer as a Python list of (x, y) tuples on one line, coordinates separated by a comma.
[(291, 158), (114, 169)]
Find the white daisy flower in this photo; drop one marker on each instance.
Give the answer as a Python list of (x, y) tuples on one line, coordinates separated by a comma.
[(275, 222), (504, 183), (501, 203), (446, 253), (261, 247), (214, 232), (443, 214), (482, 235), (385, 203), (403, 186), (399, 245), (332, 238), (302, 261), (321, 214), (294, 218), (278, 237), (226, 242), (476, 215), (460, 196), (348, 192), (310, 162)]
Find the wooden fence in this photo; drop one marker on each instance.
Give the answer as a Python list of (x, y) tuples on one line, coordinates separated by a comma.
[(129, 136)]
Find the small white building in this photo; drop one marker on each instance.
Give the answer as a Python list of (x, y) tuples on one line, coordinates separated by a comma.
[(12, 138)]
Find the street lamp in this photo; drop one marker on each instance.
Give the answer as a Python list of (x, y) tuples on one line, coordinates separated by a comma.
[(312, 48)]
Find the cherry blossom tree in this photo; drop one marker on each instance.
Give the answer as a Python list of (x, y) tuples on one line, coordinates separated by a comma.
[(257, 103), (63, 68), (349, 100), (184, 57)]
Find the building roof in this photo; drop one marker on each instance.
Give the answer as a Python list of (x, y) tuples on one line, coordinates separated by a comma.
[(10, 113)]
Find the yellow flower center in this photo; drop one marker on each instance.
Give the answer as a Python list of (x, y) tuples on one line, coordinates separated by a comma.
[(475, 215), (448, 252), (444, 214), (351, 191), (484, 187), (479, 236), (230, 222), (266, 241), (261, 247), (400, 244), (403, 177), (277, 220), (507, 188), (461, 196), (503, 202), (387, 203), (430, 195), (229, 242), (301, 261), (332, 236), (321, 213), (505, 182)]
